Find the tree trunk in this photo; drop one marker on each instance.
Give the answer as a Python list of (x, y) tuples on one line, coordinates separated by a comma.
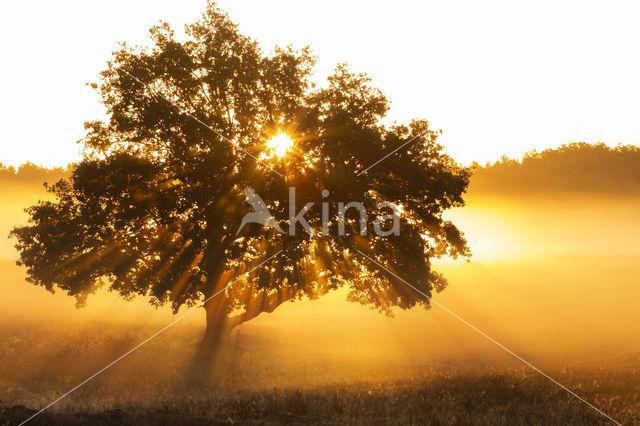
[(218, 329), (213, 351), (215, 340)]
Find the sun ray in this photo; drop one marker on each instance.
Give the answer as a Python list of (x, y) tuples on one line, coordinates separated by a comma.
[(278, 145)]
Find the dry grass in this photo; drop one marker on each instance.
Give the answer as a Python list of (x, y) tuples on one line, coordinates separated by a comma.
[(260, 382)]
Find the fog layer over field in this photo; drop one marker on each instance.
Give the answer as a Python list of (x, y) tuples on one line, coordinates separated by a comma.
[(554, 277)]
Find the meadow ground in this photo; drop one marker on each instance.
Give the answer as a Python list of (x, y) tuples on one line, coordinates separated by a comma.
[(259, 383)]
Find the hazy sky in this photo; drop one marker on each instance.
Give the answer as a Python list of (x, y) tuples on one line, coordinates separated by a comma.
[(497, 77)]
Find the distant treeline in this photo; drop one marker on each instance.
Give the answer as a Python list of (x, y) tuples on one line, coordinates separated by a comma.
[(30, 173), (579, 167)]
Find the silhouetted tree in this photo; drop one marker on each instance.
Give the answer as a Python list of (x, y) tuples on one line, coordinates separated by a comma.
[(154, 206)]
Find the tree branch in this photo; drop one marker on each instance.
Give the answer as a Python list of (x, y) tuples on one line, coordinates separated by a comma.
[(258, 304)]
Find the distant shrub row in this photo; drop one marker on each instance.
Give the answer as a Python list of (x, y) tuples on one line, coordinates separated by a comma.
[(573, 167), (30, 173)]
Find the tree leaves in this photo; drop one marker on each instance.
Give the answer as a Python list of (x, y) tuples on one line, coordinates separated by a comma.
[(154, 206)]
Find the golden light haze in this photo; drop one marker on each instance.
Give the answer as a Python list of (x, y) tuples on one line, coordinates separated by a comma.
[(498, 77), (553, 277), (179, 314)]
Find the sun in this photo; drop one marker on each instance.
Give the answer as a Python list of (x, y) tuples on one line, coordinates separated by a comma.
[(279, 145)]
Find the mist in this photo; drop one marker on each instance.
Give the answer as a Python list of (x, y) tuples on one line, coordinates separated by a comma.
[(553, 277)]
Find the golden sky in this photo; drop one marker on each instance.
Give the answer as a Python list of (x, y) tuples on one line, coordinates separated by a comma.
[(497, 77)]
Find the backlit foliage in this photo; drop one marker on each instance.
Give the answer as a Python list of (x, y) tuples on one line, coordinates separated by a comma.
[(154, 206)]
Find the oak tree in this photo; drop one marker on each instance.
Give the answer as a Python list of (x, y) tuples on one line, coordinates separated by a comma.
[(155, 205)]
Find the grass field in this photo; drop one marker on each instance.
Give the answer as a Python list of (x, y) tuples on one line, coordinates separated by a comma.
[(499, 397), (259, 384)]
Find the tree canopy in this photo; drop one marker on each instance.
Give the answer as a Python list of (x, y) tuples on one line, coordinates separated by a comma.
[(154, 206)]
